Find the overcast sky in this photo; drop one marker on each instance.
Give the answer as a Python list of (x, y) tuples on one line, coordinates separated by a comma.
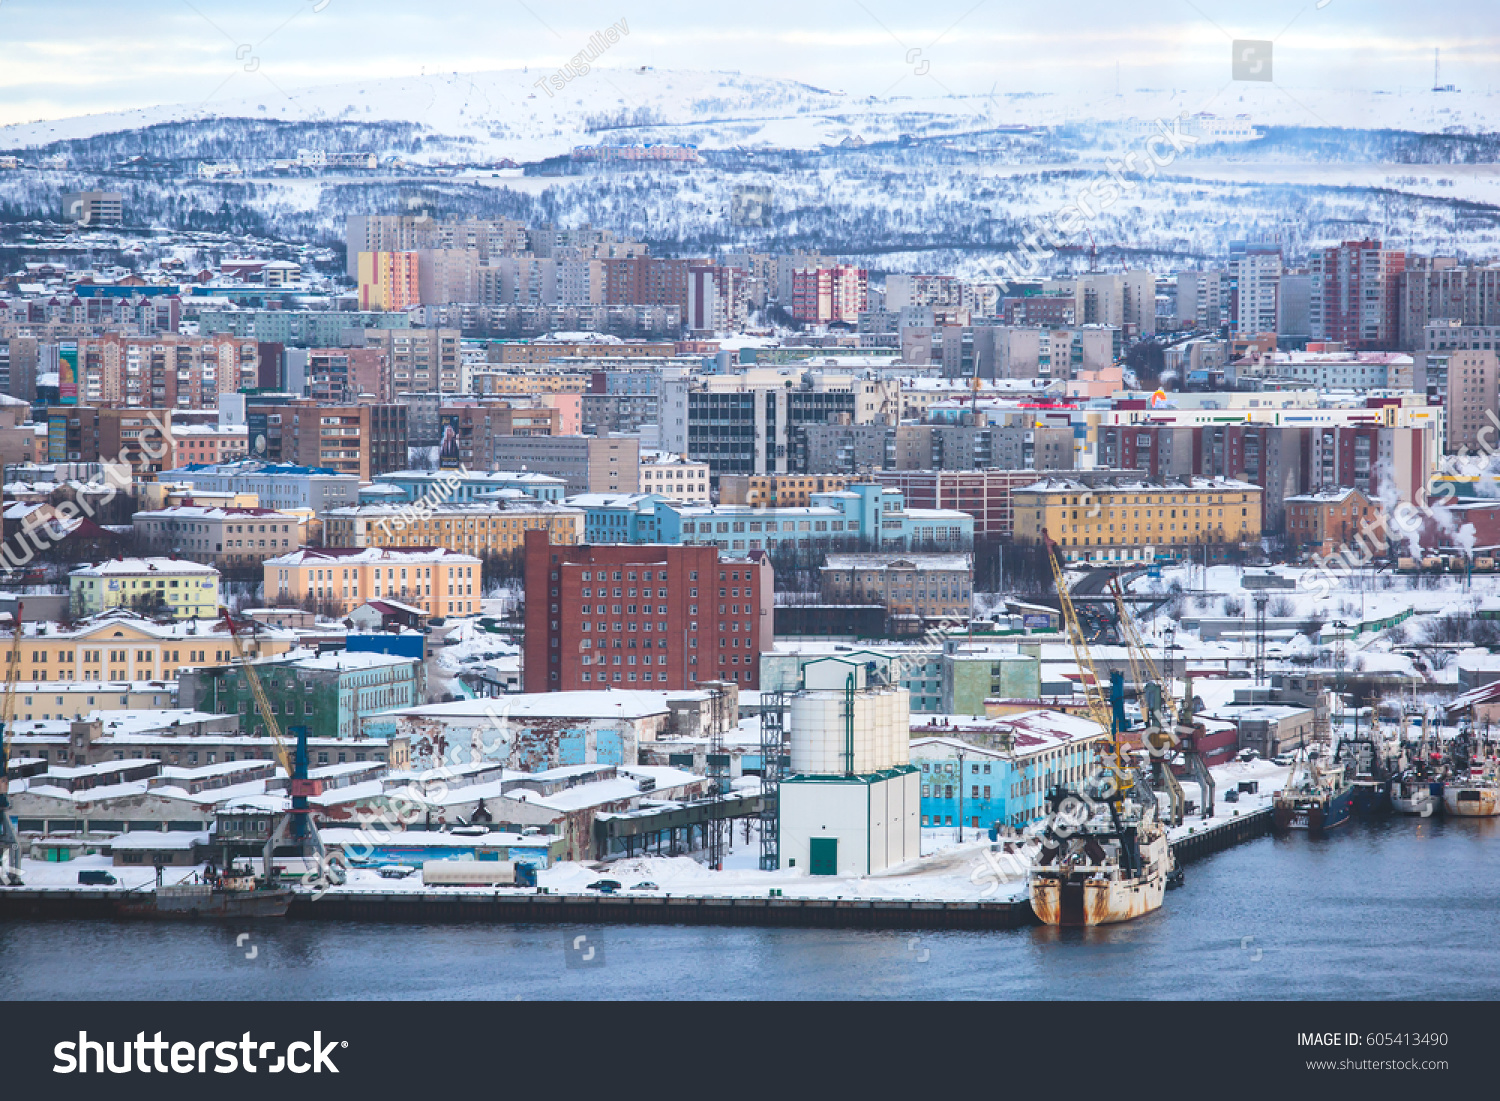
[(69, 57)]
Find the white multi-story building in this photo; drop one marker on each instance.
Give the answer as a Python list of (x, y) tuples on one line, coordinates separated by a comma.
[(674, 476)]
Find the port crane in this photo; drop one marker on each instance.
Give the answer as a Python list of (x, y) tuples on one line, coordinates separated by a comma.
[(1161, 713), (1093, 691), (10, 842), (297, 825)]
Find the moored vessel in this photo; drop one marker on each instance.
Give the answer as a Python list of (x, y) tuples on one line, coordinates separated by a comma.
[(1103, 859), (1474, 796), (1316, 798), (232, 895)]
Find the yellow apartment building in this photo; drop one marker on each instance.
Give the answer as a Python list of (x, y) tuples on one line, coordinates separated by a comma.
[(477, 529), (1127, 518), (122, 646)]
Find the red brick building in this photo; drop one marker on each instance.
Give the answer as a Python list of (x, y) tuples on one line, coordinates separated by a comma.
[(643, 616), (983, 494)]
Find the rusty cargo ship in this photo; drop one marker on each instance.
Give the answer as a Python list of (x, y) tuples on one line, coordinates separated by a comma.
[(1101, 862)]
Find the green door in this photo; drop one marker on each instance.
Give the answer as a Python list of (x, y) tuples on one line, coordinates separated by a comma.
[(823, 855)]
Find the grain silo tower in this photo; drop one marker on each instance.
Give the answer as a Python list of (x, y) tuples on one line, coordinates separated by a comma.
[(851, 804)]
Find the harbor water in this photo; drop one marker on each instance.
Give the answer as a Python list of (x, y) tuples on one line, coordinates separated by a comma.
[(1397, 908)]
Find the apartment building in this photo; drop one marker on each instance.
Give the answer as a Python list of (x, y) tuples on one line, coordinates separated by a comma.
[(123, 646), (924, 586), (144, 438), (479, 425), (477, 529), (673, 476), (830, 295), (440, 582), (363, 440), (163, 370), (1325, 523), (643, 616), (226, 537), (419, 360), (587, 464), (388, 281), (209, 443), (281, 486), (1471, 396), (185, 589), (93, 208), (342, 376), (1113, 517), (1354, 297), (762, 490)]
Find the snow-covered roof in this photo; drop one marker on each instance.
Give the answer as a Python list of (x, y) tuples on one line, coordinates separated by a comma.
[(132, 567), (629, 704), (307, 556)]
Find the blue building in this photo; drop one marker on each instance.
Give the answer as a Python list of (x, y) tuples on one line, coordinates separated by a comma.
[(1002, 768), (863, 514), (619, 517), (469, 487)]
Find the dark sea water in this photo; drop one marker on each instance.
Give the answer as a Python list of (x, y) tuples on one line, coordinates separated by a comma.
[(1403, 908)]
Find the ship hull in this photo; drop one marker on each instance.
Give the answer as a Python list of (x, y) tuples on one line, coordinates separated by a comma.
[(1466, 801), (1372, 798), (1079, 899), (221, 906)]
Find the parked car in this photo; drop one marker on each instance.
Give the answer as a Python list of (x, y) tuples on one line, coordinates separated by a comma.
[(1232, 796), (395, 871), (646, 886), (606, 886), (1247, 754), (97, 878), (1282, 759)]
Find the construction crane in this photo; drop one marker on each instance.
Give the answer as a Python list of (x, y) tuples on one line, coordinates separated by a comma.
[(1098, 703), (10, 842), (297, 824)]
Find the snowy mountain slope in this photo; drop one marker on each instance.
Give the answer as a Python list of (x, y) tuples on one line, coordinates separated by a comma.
[(898, 183), (506, 114)]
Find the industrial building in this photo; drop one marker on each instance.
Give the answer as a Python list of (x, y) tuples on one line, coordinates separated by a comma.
[(851, 804)]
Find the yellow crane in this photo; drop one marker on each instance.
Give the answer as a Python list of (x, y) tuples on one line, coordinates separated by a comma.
[(1157, 720), (298, 823), (10, 842), (1093, 690)]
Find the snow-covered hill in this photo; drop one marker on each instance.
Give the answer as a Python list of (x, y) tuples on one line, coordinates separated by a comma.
[(896, 182), (509, 113)]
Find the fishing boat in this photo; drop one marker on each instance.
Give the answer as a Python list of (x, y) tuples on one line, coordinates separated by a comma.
[(1476, 795), (1316, 798), (1103, 859), (1367, 762), (1414, 791), (236, 894)]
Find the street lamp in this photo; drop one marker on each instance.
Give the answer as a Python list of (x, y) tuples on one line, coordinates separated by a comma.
[(960, 798)]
